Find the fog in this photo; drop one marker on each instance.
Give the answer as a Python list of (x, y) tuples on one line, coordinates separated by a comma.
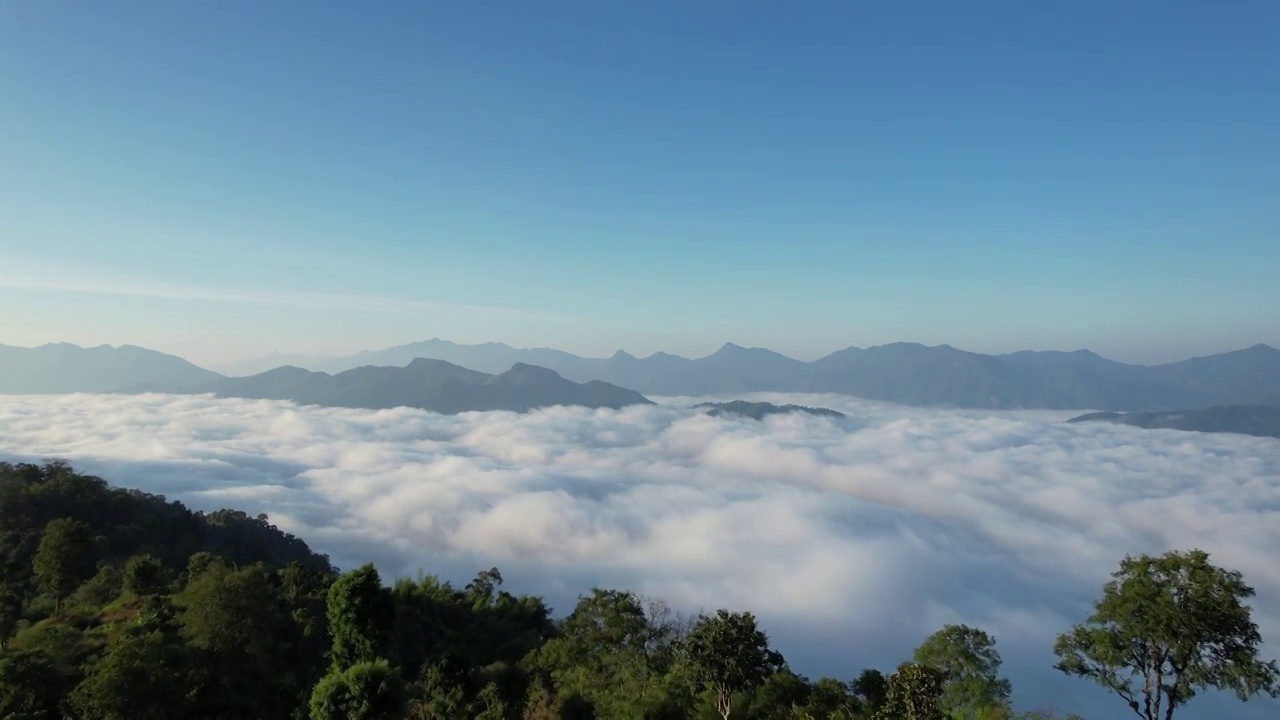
[(852, 539)]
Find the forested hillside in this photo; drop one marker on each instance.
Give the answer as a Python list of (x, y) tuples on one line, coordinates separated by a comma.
[(118, 605)]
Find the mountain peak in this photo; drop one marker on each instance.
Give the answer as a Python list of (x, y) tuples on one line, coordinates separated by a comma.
[(731, 349), (525, 371), (622, 355)]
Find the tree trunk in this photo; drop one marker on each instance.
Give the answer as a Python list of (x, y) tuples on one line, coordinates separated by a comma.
[(724, 703)]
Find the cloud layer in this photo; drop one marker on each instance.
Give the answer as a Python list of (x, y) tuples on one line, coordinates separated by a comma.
[(852, 539)]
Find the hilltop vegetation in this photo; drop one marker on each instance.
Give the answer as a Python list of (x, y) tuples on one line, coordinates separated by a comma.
[(759, 410), (1258, 420), (118, 605)]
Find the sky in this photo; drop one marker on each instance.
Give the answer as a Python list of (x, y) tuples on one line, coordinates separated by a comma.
[(851, 539), (224, 180)]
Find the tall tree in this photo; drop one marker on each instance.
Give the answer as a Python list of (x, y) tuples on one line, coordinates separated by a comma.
[(364, 691), (63, 560), (1166, 628), (141, 677), (606, 651), (236, 622), (914, 693), (729, 654), (490, 704), (10, 613), (872, 687), (969, 664), (30, 686), (360, 617), (144, 575)]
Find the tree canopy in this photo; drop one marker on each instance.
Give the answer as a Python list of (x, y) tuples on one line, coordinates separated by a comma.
[(1167, 628), (218, 615)]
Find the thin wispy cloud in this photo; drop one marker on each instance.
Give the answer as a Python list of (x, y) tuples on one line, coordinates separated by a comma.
[(61, 280), (852, 539)]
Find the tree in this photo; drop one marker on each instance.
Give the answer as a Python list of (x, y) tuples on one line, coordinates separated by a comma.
[(914, 693), (360, 617), (437, 696), (969, 665), (872, 687), (236, 622), (10, 613), (1166, 628), (729, 655), (63, 560), (364, 691), (141, 678), (30, 686), (608, 652), (492, 707), (144, 575)]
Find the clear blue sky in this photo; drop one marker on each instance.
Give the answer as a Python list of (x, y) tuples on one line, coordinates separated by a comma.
[(224, 179)]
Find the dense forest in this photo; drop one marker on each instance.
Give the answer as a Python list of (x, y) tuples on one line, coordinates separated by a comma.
[(118, 605)]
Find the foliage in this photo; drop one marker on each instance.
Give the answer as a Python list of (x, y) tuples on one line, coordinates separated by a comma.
[(1166, 628), (729, 655), (872, 687), (914, 693), (30, 686), (969, 665), (364, 691), (144, 575), (10, 613), (220, 615), (142, 677), (63, 558), (360, 616)]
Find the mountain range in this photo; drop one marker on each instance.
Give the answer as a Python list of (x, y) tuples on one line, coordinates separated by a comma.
[(1259, 420), (907, 373), (67, 368), (424, 383)]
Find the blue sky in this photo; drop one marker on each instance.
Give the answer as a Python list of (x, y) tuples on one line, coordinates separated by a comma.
[(228, 179)]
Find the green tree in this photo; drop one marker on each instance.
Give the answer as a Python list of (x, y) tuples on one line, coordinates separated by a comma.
[(364, 691), (437, 696), (608, 652), (236, 623), (142, 677), (1166, 628), (10, 613), (492, 707), (729, 655), (144, 575), (914, 693), (360, 617), (30, 686), (872, 687), (969, 665), (63, 559)]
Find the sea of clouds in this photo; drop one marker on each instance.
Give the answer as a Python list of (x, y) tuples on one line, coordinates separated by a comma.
[(852, 539)]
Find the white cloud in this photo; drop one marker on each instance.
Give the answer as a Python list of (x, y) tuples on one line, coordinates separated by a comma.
[(852, 539), (24, 275)]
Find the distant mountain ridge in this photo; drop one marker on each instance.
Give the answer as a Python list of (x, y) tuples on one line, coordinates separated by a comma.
[(907, 373), (67, 368), (1258, 420), (427, 384), (759, 410)]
